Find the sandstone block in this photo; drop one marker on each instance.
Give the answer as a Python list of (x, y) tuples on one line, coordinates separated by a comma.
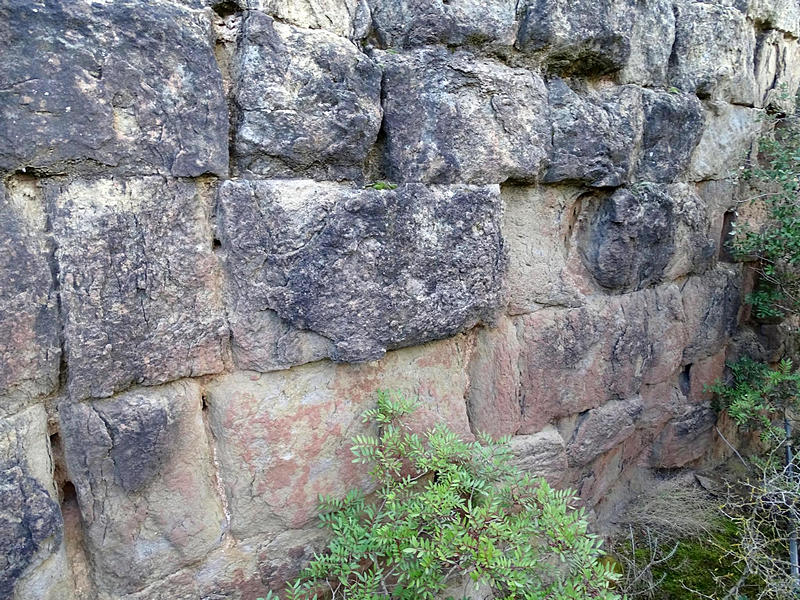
[(684, 440), (142, 469), (711, 304), (652, 36), (307, 101), (645, 234), (704, 373), (594, 137), (541, 454), (369, 270), (544, 270), (577, 39), (31, 526), (603, 429), (284, 438), (119, 85), (726, 141), (431, 93), (409, 23), (673, 124), (138, 282), (29, 326), (714, 52)]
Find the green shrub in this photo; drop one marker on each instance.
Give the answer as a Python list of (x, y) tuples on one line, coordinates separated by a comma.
[(446, 511)]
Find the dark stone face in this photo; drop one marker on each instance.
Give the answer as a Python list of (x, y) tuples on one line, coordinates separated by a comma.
[(128, 85), (370, 270), (28, 517)]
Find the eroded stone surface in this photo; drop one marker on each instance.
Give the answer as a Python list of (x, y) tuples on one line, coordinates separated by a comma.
[(138, 282), (641, 235), (29, 328), (283, 438), (651, 43), (431, 93), (348, 18), (684, 440), (31, 527), (602, 429), (594, 137), (726, 142), (714, 52), (542, 454), (142, 469), (777, 70), (409, 23), (308, 101), (116, 85), (370, 270), (783, 15)]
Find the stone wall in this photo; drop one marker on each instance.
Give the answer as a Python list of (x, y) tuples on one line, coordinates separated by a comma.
[(200, 289)]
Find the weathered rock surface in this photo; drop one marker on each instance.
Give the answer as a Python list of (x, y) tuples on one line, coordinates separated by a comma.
[(370, 270), (544, 270), (542, 454), (638, 236), (673, 124), (714, 52), (777, 65), (429, 95), (142, 469), (726, 142), (31, 528), (119, 85), (409, 23), (348, 18), (783, 15), (29, 327), (685, 440), (307, 101), (602, 429), (594, 137), (138, 282), (652, 36), (590, 39), (283, 438)]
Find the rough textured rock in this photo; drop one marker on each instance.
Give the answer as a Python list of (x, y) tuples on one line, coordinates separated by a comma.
[(638, 235), (138, 282), (673, 124), (542, 454), (307, 101), (283, 438), (594, 137), (578, 359), (29, 328), (32, 563), (588, 39), (409, 23), (428, 96), (370, 270), (783, 15), (712, 307), (651, 43), (117, 85), (726, 142), (543, 268), (142, 469), (714, 52), (684, 440), (777, 66), (602, 429), (348, 18)]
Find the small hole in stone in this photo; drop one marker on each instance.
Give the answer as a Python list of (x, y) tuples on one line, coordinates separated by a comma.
[(67, 492), (685, 380), (728, 221), (205, 402), (217, 244), (226, 9)]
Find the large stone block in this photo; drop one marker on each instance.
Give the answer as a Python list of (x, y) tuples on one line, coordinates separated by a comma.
[(714, 52), (33, 559), (348, 18), (777, 70), (370, 270), (138, 282), (645, 234), (283, 438), (578, 359), (594, 136), (541, 454), (142, 469), (126, 85), (673, 124), (711, 303), (429, 96), (652, 37), (29, 326), (577, 38), (684, 440), (726, 142), (409, 23), (307, 101), (602, 429), (544, 270)]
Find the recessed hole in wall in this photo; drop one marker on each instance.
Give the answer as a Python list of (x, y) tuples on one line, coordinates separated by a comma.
[(216, 244), (685, 380), (728, 221), (226, 8), (67, 492)]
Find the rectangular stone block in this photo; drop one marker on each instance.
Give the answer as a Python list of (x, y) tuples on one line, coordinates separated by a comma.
[(307, 101), (284, 437), (139, 282), (366, 269), (429, 95), (142, 469), (29, 325), (125, 85)]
